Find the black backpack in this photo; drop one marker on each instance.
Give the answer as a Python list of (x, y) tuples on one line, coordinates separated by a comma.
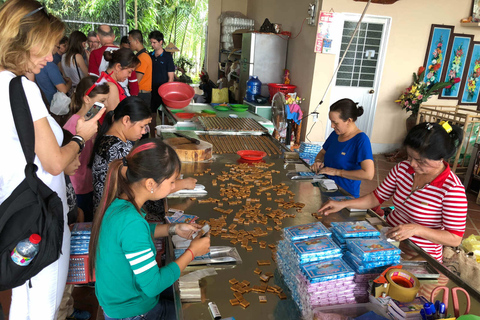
[(31, 208)]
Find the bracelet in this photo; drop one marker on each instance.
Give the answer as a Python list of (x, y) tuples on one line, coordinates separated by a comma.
[(171, 229), (193, 256), (80, 138), (81, 143)]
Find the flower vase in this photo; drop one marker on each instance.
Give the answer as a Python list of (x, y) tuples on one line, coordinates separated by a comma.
[(411, 121), (470, 95), (448, 91)]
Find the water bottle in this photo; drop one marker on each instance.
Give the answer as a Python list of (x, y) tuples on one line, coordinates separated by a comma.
[(254, 87), (26, 250)]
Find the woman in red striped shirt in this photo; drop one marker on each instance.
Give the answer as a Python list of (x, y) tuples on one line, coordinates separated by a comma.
[(429, 199)]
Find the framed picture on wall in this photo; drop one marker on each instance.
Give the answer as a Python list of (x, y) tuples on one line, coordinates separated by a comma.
[(475, 10), (438, 44), (471, 78), (456, 59)]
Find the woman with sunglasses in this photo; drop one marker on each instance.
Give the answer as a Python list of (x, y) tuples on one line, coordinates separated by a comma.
[(429, 199), (27, 36)]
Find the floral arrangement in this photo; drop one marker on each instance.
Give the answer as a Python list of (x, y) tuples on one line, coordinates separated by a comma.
[(472, 79), (436, 62), (456, 64), (420, 91)]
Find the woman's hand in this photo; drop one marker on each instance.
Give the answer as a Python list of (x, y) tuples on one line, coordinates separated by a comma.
[(200, 245), (330, 171), (403, 231), (317, 165), (87, 128), (331, 206), (186, 230)]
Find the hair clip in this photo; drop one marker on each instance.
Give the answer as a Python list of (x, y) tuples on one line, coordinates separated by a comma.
[(125, 163), (429, 126), (101, 80), (446, 126)]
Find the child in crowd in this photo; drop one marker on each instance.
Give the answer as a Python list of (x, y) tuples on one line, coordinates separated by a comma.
[(75, 214), (122, 252), (86, 94)]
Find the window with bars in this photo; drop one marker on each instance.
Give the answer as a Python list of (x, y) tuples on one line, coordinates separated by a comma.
[(358, 70)]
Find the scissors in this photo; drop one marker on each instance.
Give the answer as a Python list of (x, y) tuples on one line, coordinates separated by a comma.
[(455, 290)]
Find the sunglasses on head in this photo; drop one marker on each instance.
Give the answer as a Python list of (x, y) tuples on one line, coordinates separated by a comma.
[(31, 13)]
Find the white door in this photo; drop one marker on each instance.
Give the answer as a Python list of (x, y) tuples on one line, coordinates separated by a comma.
[(359, 75)]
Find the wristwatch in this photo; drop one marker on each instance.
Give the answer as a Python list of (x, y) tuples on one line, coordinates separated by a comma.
[(80, 141), (171, 229)]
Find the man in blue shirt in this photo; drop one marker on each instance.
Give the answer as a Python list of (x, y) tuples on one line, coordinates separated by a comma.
[(163, 69), (50, 80)]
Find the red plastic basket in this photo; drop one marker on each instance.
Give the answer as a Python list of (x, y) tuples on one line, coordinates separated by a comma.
[(278, 87)]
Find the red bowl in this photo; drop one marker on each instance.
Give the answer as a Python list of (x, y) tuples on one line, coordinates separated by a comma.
[(251, 155), (176, 95), (184, 115)]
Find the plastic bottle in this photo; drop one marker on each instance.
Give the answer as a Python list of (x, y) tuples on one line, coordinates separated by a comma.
[(26, 250), (254, 87)]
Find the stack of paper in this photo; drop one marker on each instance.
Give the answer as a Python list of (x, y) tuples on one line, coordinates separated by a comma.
[(328, 184)]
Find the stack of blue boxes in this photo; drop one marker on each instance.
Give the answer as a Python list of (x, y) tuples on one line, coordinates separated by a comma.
[(313, 269)]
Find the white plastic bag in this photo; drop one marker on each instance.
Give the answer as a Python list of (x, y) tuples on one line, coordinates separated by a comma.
[(60, 104)]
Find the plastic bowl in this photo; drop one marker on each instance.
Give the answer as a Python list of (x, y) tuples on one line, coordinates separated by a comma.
[(251, 155), (176, 95), (185, 115)]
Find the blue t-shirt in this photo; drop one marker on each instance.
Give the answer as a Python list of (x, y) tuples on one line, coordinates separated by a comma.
[(47, 80), (347, 155), (57, 58)]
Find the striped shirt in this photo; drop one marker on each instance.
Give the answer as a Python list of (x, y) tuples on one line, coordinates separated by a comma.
[(441, 204)]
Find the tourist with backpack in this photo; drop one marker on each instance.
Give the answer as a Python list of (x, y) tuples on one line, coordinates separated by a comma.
[(27, 35)]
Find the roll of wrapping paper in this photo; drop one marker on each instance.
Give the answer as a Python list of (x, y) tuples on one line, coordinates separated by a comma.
[(403, 286)]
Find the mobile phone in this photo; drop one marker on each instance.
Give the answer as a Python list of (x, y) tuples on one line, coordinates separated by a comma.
[(204, 230), (97, 106)]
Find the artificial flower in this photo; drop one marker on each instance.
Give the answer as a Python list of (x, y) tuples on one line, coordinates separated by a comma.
[(421, 91)]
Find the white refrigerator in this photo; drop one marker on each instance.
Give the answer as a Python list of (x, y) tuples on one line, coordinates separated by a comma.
[(263, 55)]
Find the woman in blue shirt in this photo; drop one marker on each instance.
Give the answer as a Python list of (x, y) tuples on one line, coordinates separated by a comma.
[(346, 156)]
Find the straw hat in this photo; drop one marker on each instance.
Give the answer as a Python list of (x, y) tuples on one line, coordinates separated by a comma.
[(171, 48)]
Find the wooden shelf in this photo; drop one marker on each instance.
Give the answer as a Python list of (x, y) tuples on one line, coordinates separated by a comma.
[(236, 52), (470, 24)]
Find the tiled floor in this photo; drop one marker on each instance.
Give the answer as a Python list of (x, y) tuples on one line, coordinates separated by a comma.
[(85, 297)]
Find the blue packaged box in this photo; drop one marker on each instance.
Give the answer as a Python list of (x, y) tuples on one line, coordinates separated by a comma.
[(82, 228), (306, 231), (355, 229), (327, 270), (316, 249), (361, 269), (372, 249), (372, 264)]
